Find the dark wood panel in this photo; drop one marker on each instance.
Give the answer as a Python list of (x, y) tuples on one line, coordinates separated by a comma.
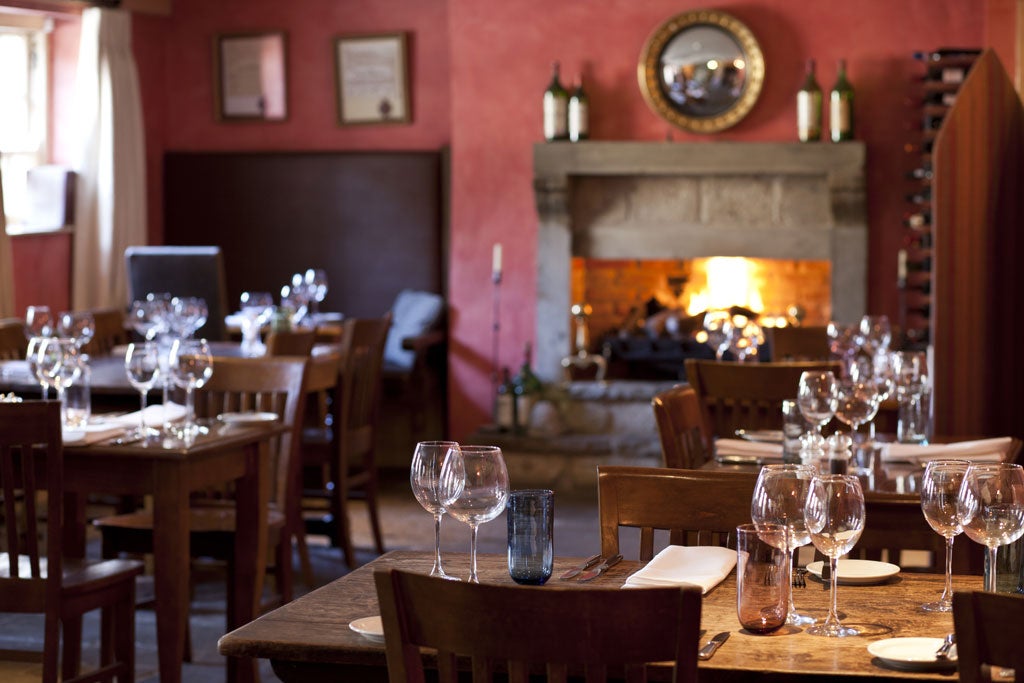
[(978, 211), (373, 220)]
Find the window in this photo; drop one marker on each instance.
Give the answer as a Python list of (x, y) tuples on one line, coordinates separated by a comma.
[(23, 107)]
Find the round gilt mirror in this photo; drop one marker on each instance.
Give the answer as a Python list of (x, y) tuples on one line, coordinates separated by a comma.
[(702, 71)]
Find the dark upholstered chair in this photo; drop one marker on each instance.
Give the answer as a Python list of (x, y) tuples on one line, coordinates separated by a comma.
[(181, 271)]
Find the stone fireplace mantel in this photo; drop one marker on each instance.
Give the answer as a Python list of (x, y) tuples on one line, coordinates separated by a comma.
[(644, 200)]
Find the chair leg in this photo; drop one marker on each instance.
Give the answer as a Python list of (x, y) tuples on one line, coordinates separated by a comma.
[(342, 528), (72, 659), (371, 504), (124, 643), (283, 574), (51, 647)]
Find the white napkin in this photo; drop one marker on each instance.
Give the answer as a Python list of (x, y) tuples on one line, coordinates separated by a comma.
[(156, 415), (741, 448), (677, 565), (980, 450), (101, 428), (91, 433)]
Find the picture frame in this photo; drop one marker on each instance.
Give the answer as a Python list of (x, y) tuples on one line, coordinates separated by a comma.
[(372, 79), (250, 75)]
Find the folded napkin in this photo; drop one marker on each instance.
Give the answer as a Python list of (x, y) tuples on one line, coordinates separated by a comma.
[(156, 415), (94, 432), (980, 450), (754, 450), (101, 428), (676, 565)]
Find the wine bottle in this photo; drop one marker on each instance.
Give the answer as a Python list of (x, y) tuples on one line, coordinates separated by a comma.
[(527, 388), (556, 106), (840, 111), (579, 112), (922, 172), (918, 220), (922, 197), (808, 107), (505, 403)]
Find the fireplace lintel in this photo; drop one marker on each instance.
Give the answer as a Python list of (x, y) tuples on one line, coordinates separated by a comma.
[(837, 229)]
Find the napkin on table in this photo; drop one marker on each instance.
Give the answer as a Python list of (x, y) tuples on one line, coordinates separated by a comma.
[(748, 449), (979, 450), (101, 429), (156, 415), (676, 565)]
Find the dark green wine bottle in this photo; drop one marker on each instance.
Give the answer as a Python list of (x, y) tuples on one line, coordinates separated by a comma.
[(579, 113), (840, 113), (556, 109), (808, 107)]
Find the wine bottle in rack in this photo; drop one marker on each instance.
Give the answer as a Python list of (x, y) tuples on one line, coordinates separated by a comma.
[(808, 107), (556, 106), (840, 107), (918, 220)]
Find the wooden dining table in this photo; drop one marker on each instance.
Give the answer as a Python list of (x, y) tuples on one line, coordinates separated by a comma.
[(170, 472), (309, 639)]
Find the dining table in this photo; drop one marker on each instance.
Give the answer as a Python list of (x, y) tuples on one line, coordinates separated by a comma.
[(310, 639)]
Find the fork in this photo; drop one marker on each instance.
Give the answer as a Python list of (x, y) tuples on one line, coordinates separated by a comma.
[(800, 577)]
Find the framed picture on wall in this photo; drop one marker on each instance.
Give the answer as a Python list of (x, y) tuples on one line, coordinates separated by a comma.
[(250, 76), (372, 78)]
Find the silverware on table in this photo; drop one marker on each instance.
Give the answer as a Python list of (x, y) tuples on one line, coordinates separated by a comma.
[(947, 643), (712, 645), (583, 566), (596, 571)]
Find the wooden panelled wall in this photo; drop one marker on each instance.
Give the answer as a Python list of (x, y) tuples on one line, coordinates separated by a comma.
[(978, 265)]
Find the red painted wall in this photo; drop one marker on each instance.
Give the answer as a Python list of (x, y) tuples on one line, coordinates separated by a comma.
[(478, 70)]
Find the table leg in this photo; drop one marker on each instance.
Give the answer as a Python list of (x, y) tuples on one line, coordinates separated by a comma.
[(170, 567), (252, 495)]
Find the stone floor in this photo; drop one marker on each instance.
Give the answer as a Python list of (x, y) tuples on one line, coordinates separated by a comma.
[(405, 525)]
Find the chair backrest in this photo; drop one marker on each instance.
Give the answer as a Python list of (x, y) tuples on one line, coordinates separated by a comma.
[(290, 342), (31, 460), (804, 342), (110, 331), (746, 395), (362, 349), (681, 427), (13, 344), (262, 384), (989, 631), (697, 507), (567, 629), (181, 271)]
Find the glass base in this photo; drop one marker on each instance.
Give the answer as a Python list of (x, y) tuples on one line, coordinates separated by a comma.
[(937, 606), (797, 619), (833, 631), (440, 573)]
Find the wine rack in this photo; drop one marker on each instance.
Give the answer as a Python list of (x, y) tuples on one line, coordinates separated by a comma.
[(944, 71)]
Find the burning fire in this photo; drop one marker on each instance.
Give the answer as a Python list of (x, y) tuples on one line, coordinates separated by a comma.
[(730, 282)]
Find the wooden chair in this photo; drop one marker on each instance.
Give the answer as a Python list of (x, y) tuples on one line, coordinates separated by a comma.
[(989, 632), (562, 630), (13, 343), (348, 449), (681, 428), (799, 343), (290, 342), (746, 395), (110, 331), (35, 579), (237, 384), (697, 507)]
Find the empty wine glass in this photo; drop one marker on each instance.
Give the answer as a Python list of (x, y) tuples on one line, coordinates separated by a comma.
[(940, 490), (38, 322), (875, 333), (718, 328), (424, 473), (141, 320), (991, 509), (779, 498), (817, 397), (32, 358), (191, 367), (57, 360), (857, 404), (142, 365), (834, 515), (256, 310), (316, 286), (474, 489), (76, 325)]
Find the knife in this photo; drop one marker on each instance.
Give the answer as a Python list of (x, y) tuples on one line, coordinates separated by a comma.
[(596, 571), (586, 564), (712, 645)]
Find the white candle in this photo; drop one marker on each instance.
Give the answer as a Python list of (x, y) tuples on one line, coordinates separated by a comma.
[(496, 260)]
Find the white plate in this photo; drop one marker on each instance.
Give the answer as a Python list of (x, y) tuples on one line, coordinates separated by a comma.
[(370, 628), (859, 571), (246, 418), (760, 435), (912, 654)]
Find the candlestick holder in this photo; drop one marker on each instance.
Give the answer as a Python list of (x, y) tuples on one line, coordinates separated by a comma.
[(495, 328)]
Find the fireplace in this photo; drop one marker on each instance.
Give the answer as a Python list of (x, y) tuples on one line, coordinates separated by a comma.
[(656, 207)]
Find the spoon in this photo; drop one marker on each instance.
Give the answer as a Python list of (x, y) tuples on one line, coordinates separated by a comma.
[(947, 643)]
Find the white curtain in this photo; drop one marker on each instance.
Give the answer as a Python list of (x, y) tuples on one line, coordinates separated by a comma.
[(111, 192), (6, 266)]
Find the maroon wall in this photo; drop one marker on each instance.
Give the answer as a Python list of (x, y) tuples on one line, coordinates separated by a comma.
[(478, 70)]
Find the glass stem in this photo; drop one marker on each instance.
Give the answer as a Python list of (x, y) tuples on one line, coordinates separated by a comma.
[(472, 554), (990, 570), (947, 591), (789, 580), (46, 394), (189, 411), (437, 543), (63, 405), (142, 413), (833, 606)]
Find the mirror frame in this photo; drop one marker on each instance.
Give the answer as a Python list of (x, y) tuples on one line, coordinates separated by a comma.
[(648, 71)]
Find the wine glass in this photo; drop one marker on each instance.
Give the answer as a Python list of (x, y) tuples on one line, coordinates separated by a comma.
[(78, 326), (256, 309), (875, 333), (779, 498), (718, 328), (940, 489), (817, 397), (991, 509), (316, 284), (427, 460), (32, 357), (191, 367), (473, 489), (857, 404), (842, 340), (910, 375), (38, 322), (834, 515), (57, 360), (142, 365)]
